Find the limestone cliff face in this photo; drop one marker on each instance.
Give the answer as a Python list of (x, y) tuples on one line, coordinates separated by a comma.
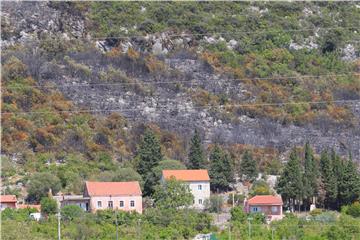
[(137, 92)]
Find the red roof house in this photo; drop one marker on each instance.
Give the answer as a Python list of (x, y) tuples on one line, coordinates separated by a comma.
[(125, 196), (198, 181), (193, 175), (269, 205), (7, 201)]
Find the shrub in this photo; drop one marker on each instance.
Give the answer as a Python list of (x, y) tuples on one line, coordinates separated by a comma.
[(40, 184), (214, 204), (238, 199), (70, 212), (238, 214), (316, 212), (48, 206), (354, 210)]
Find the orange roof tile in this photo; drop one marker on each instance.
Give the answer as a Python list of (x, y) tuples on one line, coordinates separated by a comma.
[(7, 198), (265, 200), (113, 188), (187, 175), (37, 207)]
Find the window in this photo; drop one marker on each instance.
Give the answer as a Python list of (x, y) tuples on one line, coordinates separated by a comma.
[(199, 187), (132, 203), (121, 203), (110, 204), (274, 209), (200, 201), (255, 209), (99, 204)]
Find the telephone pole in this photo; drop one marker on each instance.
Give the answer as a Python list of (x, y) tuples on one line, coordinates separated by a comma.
[(59, 229)]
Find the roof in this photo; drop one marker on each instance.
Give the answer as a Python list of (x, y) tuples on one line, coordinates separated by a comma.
[(265, 200), (187, 175), (37, 207), (70, 197), (7, 198), (113, 188)]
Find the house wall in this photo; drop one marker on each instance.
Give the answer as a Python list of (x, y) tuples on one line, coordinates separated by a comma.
[(84, 204), (7, 205), (198, 194), (116, 203), (273, 211)]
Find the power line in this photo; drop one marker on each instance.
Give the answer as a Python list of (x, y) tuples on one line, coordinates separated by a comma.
[(179, 81), (226, 33), (195, 107)]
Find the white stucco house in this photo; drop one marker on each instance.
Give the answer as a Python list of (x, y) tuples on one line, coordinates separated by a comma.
[(198, 180)]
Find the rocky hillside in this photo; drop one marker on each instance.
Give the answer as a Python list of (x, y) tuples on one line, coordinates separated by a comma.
[(261, 74)]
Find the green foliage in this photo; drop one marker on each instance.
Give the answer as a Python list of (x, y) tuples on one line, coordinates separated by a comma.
[(196, 158), (40, 184), (354, 210), (214, 204), (260, 187), (150, 155), (329, 179), (248, 167), (48, 206), (71, 212), (310, 173), (126, 175), (221, 173), (173, 194), (238, 214), (290, 184), (238, 199)]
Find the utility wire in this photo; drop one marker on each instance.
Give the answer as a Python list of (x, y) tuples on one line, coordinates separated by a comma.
[(179, 81), (200, 107)]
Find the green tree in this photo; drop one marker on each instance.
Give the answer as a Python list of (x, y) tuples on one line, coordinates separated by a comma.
[(310, 174), (40, 184), (126, 174), (214, 204), (70, 212), (48, 205), (238, 214), (221, 174), (349, 184), (173, 194), (149, 155), (248, 167), (260, 187), (196, 155), (329, 181), (290, 184)]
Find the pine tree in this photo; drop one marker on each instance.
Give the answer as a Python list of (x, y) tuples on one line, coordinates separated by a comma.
[(220, 169), (149, 155), (329, 180), (248, 167), (290, 184), (310, 174), (196, 155)]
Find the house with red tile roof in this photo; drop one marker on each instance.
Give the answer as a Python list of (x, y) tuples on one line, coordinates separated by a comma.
[(269, 205), (8, 201), (198, 180), (126, 196)]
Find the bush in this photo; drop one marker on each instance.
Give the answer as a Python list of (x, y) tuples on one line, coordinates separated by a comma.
[(214, 204), (48, 206), (238, 214), (354, 210), (40, 184), (70, 212), (316, 212), (238, 199)]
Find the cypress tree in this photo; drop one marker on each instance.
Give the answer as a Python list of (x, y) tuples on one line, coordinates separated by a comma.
[(329, 180), (248, 167), (349, 185), (310, 174), (290, 184), (149, 155), (196, 155), (220, 169)]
